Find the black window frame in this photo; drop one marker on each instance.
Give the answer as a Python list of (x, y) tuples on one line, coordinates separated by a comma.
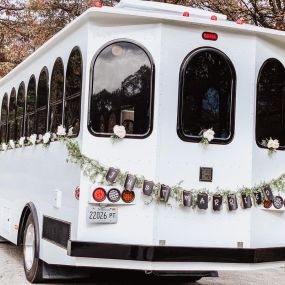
[(22, 85), (5, 97), (27, 113), (69, 98), (259, 144), (152, 89), (197, 139), (57, 102), (12, 93), (39, 109)]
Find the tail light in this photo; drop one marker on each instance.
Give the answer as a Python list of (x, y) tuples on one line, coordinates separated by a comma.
[(128, 196), (99, 194), (114, 195), (77, 193), (209, 36)]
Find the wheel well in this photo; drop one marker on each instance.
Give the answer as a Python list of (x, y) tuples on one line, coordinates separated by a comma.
[(29, 208)]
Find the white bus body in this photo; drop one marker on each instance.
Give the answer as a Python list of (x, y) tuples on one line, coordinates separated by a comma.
[(41, 177)]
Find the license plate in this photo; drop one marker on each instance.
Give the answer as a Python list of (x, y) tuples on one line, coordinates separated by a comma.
[(98, 215)]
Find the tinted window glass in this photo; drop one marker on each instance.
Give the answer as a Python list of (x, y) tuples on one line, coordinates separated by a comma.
[(122, 90), (207, 96), (56, 95), (42, 100), (270, 107), (20, 111), (31, 107), (12, 116), (4, 118), (73, 92)]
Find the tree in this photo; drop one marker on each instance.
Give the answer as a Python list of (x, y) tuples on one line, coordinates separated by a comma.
[(26, 24)]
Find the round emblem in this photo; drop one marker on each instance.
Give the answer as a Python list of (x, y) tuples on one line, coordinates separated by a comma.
[(278, 202), (114, 195), (267, 204)]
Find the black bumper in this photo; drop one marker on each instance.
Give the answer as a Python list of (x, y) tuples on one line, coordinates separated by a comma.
[(174, 254)]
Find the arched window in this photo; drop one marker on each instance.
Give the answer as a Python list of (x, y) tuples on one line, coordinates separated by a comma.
[(207, 96), (4, 119), (56, 95), (73, 92), (270, 105), (12, 115), (42, 103), (122, 90), (31, 107), (20, 111)]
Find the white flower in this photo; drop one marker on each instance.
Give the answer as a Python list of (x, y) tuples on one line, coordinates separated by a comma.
[(33, 139), (61, 131), (4, 146), (53, 136), (70, 132), (12, 144), (209, 134), (22, 141), (119, 131), (46, 137), (272, 144)]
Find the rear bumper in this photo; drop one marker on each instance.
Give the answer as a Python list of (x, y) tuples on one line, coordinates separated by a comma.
[(174, 254)]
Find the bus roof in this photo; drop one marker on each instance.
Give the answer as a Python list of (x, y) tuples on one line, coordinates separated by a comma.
[(150, 12)]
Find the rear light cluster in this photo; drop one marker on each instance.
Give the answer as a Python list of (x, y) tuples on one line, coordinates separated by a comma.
[(113, 195)]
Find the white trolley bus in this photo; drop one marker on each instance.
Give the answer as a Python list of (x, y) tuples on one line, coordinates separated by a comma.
[(164, 74)]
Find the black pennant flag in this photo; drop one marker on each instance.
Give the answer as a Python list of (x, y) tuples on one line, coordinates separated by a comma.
[(164, 192), (187, 198), (202, 201), (112, 174), (217, 202), (232, 202), (148, 187), (130, 182), (246, 201)]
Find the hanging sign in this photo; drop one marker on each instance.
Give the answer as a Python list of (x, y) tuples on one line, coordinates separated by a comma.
[(130, 182), (232, 202), (246, 201), (258, 198), (164, 193), (148, 187), (268, 192), (217, 202), (202, 201), (187, 198), (112, 174)]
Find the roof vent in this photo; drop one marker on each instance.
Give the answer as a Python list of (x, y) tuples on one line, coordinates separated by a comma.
[(163, 8)]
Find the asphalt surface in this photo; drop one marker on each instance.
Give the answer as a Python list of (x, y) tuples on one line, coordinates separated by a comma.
[(12, 273)]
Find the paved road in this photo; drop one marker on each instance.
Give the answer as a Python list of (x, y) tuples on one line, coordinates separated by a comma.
[(11, 273)]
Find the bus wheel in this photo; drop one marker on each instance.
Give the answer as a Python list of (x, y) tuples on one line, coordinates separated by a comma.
[(32, 264)]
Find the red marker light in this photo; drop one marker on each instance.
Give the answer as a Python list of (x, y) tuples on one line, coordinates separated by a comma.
[(209, 36), (214, 18), (99, 194), (186, 14), (98, 4), (77, 193), (240, 21)]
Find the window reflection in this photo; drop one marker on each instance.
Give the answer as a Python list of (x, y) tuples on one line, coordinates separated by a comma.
[(4, 118), (73, 92), (42, 100), (12, 116), (31, 107), (122, 83), (56, 95), (207, 95), (270, 107), (20, 111)]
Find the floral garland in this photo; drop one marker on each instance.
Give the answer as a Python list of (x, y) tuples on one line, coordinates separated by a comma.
[(97, 172)]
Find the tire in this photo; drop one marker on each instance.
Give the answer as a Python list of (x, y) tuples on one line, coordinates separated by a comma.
[(33, 266)]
